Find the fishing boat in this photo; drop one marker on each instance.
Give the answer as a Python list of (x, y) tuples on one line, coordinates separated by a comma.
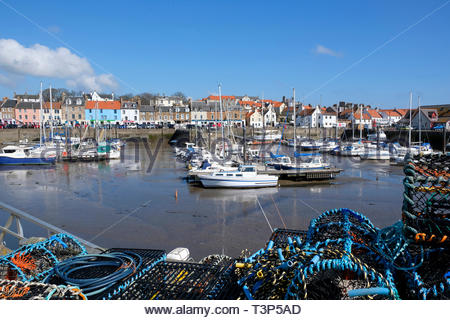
[(18, 155), (245, 177)]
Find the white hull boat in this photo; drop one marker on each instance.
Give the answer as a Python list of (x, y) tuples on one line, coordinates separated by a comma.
[(244, 177)]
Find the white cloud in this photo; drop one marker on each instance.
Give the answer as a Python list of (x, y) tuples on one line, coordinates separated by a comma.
[(41, 61), (324, 50)]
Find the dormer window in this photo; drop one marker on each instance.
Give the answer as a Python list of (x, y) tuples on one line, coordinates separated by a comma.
[(69, 101), (78, 101)]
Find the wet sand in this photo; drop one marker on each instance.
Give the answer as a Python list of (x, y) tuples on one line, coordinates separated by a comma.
[(120, 204)]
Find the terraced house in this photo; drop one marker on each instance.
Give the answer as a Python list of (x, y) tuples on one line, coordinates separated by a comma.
[(27, 113), (73, 110), (51, 113), (103, 112), (7, 114), (129, 111)]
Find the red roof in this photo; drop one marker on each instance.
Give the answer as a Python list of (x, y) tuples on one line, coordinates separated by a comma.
[(391, 113), (111, 105), (373, 113), (277, 104), (218, 98), (365, 116), (403, 112)]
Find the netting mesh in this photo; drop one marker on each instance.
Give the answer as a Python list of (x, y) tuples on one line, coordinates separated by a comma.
[(32, 262), (18, 290), (426, 200)]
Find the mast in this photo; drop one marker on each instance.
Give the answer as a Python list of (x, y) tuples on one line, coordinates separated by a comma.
[(410, 116), (51, 113), (295, 120), (40, 117), (221, 120), (360, 123), (420, 124)]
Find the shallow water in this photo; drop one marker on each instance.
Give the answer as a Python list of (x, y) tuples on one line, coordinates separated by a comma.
[(120, 204)]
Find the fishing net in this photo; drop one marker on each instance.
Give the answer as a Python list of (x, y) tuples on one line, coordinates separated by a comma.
[(18, 290), (32, 262), (426, 200)]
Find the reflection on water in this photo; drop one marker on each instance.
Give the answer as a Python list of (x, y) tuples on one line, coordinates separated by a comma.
[(88, 198)]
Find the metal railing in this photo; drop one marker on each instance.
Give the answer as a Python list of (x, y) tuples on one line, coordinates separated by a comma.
[(17, 215)]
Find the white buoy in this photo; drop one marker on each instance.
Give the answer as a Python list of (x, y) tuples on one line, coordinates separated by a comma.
[(178, 254)]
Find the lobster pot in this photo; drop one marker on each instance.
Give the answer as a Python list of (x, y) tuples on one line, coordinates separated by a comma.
[(426, 200), (430, 278), (105, 276), (334, 257), (18, 290), (33, 262), (183, 281)]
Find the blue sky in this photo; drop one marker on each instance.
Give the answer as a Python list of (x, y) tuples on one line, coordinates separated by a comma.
[(251, 47)]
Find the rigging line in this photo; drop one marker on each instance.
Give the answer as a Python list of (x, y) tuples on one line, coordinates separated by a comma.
[(315, 210), (276, 207), (264, 214), (121, 219), (64, 43)]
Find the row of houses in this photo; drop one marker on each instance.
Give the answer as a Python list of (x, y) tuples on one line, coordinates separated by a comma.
[(237, 111)]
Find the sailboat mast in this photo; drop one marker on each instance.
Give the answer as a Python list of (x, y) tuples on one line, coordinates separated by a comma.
[(40, 117), (410, 116), (295, 120), (221, 120), (420, 122), (360, 123), (51, 113)]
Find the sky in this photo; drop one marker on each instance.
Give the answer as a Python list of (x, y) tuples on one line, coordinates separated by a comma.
[(371, 52)]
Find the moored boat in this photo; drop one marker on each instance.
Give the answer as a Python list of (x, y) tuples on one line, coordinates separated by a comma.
[(245, 177), (18, 155)]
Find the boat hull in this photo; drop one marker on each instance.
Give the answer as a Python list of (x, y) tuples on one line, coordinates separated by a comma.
[(4, 160), (251, 182)]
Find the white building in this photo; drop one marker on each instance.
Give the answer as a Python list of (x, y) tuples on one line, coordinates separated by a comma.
[(308, 117), (94, 96), (326, 120), (427, 118), (391, 117), (254, 119), (270, 117), (129, 112)]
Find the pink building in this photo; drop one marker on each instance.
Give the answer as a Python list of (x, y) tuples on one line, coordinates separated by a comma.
[(27, 113)]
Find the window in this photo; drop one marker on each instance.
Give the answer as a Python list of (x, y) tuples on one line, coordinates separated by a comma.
[(26, 117), (123, 111), (182, 116), (20, 117), (101, 111), (79, 116), (115, 111), (90, 111), (69, 101), (135, 118), (73, 116), (78, 101)]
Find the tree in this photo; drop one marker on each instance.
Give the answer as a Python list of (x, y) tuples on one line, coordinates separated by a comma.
[(56, 94), (146, 98), (181, 95), (127, 96)]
